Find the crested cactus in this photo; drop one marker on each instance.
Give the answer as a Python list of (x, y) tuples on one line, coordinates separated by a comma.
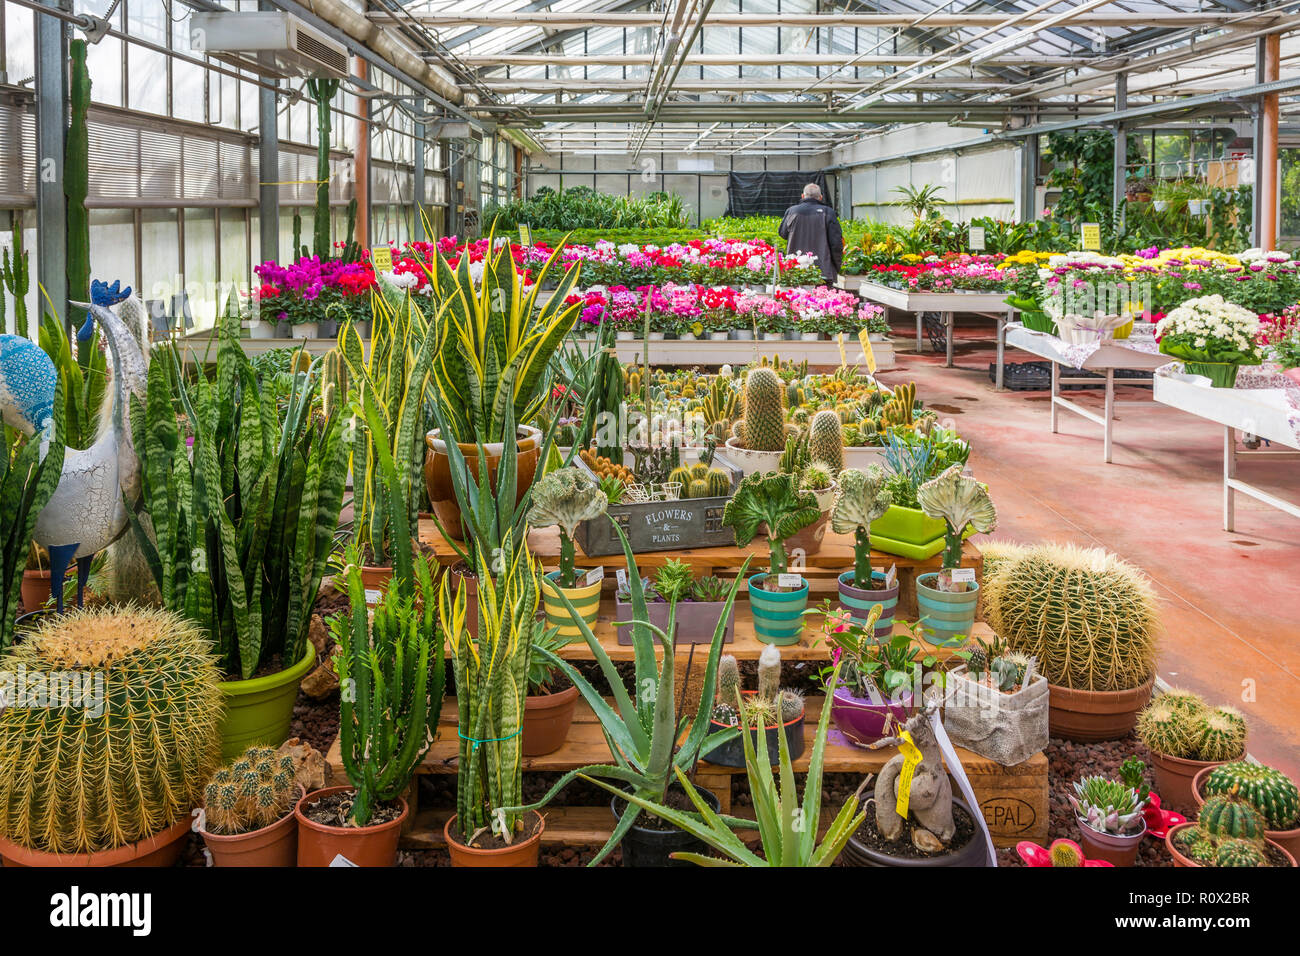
[(826, 440), (770, 498), (860, 499), (1223, 734), (1268, 790), (128, 752), (959, 501), (764, 428), (565, 498), (1240, 853), (1227, 815), (250, 793), (1088, 617)]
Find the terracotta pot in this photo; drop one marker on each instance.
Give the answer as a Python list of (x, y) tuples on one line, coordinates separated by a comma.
[(1087, 716), (1174, 777), (35, 589), (375, 579), (524, 853), (1117, 849), (319, 844), (808, 539), (1288, 840), (162, 849), (1184, 861), (546, 721), (437, 472), (273, 845)]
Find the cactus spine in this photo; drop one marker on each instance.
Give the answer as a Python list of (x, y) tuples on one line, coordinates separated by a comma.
[(250, 793), (1065, 853), (697, 488), (1166, 730), (826, 440), (718, 483), (729, 680), (764, 428), (1225, 815), (1223, 734), (1269, 791), (1240, 853), (769, 673), (681, 476)]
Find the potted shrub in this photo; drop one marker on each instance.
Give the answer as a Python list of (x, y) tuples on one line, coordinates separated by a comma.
[(1269, 791), (1212, 337), (775, 599), (1111, 823), (1228, 832), (926, 833), (947, 605), (146, 710), (648, 742), (551, 700), (248, 807), (996, 705), (1099, 653), (1185, 736), (391, 660), (565, 498), (861, 499), (771, 711), (759, 438), (698, 605)]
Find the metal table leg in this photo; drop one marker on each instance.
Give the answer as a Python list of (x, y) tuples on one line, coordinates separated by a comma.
[(950, 323), (1002, 348), (1056, 391), (1109, 413), (1229, 473), (919, 348)]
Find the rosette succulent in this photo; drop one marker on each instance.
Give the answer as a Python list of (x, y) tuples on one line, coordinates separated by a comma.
[(1107, 806)]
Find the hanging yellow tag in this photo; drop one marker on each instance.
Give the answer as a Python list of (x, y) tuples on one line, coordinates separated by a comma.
[(865, 338), (381, 259), (911, 757)]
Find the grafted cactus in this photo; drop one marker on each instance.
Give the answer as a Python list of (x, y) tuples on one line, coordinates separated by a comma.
[(861, 498), (959, 501), (564, 498)]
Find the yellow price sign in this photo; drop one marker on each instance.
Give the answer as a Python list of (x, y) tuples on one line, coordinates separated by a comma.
[(867, 352), (1091, 236), (525, 235), (911, 757), (381, 259)]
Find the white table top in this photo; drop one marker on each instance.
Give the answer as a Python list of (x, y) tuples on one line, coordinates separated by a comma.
[(910, 301), (1265, 412), (1051, 347)]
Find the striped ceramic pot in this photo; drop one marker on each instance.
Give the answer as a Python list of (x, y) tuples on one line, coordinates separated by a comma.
[(778, 615), (584, 598), (858, 602), (944, 614)]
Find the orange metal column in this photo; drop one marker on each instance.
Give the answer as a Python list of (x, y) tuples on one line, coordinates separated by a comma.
[(1266, 148), (361, 162)]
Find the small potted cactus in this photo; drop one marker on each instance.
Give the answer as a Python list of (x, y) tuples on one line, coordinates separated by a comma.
[(775, 600), (1110, 818), (996, 704), (698, 604), (248, 810), (1268, 790), (1185, 735), (758, 440), (947, 606), (774, 708), (564, 498), (861, 499), (1061, 854), (1228, 832)]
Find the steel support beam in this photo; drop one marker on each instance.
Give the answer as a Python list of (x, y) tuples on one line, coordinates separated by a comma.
[(1269, 52), (51, 135), (1029, 179), (417, 221), (1121, 147)]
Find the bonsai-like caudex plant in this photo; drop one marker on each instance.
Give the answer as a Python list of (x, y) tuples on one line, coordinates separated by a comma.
[(773, 499), (930, 794), (861, 499), (959, 501), (564, 498)]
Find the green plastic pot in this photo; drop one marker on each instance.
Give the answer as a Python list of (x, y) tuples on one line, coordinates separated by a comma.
[(778, 615), (944, 614), (259, 710), (909, 533)]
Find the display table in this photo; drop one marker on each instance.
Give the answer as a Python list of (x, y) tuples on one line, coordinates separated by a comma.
[(1137, 352), (1264, 405), (738, 352), (946, 303)]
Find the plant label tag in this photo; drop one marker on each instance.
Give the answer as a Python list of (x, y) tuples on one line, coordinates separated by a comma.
[(620, 576), (789, 580), (911, 757), (891, 576), (976, 239), (868, 355), (373, 596), (381, 259), (525, 235), (596, 574), (963, 575), (1090, 236)]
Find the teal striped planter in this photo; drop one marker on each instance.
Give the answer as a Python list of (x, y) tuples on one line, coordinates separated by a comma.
[(778, 615), (859, 603), (944, 614)]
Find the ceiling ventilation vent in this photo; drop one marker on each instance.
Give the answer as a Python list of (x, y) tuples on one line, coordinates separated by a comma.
[(274, 44)]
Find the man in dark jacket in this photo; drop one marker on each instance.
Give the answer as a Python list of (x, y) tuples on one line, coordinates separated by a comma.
[(812, 226)]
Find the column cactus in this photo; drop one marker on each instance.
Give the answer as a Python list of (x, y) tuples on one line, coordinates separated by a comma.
[(15, 272), (76, 183), (764, 425), (826, 440), (322, 91)]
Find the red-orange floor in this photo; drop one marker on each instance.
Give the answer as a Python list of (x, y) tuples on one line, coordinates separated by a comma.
[(1231, 601)]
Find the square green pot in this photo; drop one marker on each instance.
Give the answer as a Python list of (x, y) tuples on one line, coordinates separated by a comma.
[(907, 532)]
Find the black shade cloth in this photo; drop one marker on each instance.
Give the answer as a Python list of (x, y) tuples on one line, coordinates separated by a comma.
[(769, 193)]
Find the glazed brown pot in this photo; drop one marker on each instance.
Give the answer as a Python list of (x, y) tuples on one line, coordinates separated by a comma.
[(1288, 840), (524, 853), (1174, 777), (437, 473), (35, 589), (162, 849), (546, 721), (319, 844), (273, 845), (1181, 860), (1088, 715)]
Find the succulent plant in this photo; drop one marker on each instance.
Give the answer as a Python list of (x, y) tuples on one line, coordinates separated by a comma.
[(718, 483), (764, 421), (1227, 815), (769, 498), (1222, 734), (729, 680), (1166, 730), (565, 498), (1133, 773), (769, 705), (959, 501), (769, 673), (816, 477), (1240, 853), (250, 793), (131, 755), (860, 499), (1107, 805), (1088, 617), (1065, 853), (696, 488), (1197, 845), (673, 580), (1179, 724), (826, 440), (710, 589), (1184, 700), (789, 704), (680, 475), (1269, 791)]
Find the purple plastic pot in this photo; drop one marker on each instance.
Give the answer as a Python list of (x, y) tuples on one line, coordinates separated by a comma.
[(862, 721)]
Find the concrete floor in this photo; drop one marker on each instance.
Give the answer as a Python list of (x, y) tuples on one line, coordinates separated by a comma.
[(1231, 600)]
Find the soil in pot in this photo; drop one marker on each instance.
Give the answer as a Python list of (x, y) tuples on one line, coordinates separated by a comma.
[(868, 848), (490, 850), (324, 833), (651, 841)]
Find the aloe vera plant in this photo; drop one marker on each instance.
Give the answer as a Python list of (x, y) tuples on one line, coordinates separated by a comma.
[(787, 826), (642, 734), (245, 522)]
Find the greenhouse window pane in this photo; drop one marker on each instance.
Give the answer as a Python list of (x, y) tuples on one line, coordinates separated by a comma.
[(201, 265), (147, 70), (159, 253), (112, 245)]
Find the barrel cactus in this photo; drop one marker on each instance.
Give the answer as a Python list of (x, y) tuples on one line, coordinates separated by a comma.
[(1087, 616), (1226, 815), (128, 755), (680, 475), (1269, 791), (1222, 733), (718, 483), (1065, 853), (697, 488), (1167, 730), (826, 440), (764, 422), (250, 793), (1240, 853)]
